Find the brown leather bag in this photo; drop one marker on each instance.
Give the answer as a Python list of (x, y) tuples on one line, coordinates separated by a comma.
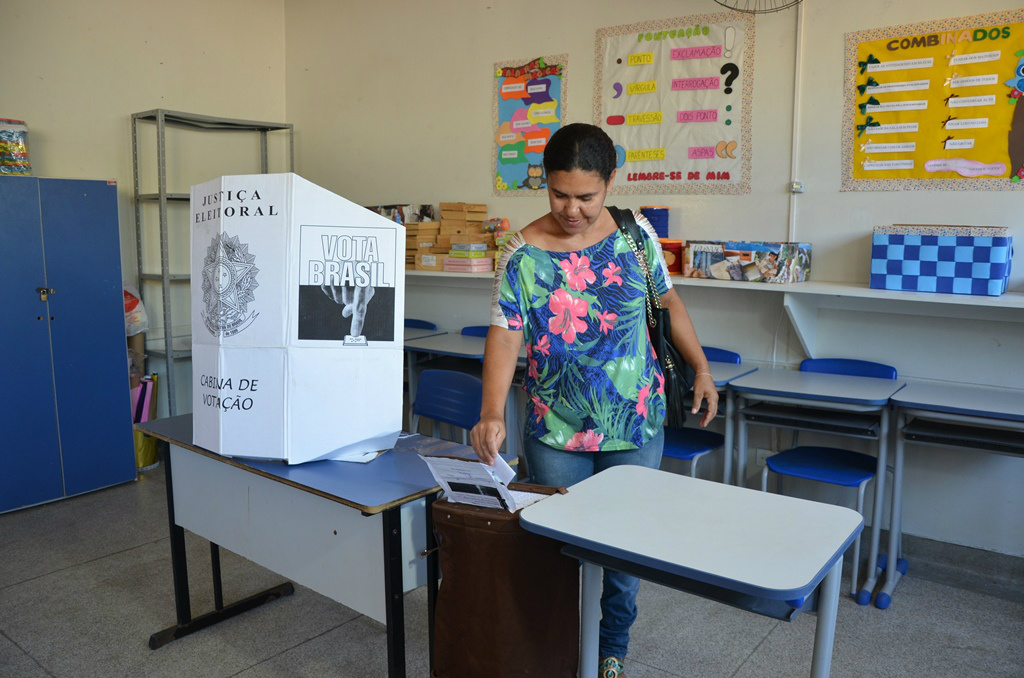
[(508, 603)]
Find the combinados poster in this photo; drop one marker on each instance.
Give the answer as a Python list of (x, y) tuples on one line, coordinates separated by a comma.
[(936, 105), (675, 97), (529, 106)]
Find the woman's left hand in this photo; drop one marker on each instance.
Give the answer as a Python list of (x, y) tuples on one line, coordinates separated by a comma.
[(704, 390)]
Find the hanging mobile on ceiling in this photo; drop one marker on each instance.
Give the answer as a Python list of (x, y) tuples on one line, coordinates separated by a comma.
[(758, 6)]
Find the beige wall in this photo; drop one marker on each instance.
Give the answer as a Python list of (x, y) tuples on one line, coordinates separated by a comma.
[(392, 103), (76, 71)]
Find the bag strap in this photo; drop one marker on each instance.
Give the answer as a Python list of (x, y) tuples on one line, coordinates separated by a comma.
[(631, 232)]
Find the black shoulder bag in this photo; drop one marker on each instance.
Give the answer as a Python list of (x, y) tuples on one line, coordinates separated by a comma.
[(678, 374)]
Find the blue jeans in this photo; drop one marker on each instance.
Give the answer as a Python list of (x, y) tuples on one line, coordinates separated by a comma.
[(555, 467)]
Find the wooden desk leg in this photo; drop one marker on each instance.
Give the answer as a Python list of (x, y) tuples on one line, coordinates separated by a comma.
[(825, 632), (432, 575), (394, 604), (590, 618)]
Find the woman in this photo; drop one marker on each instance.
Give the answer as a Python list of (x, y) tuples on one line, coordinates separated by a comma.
[(571, 287)]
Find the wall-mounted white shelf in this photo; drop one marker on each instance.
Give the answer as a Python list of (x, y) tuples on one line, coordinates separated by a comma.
[(803, 301)]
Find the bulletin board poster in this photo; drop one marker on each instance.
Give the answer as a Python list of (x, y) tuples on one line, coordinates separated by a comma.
[(529, 106), (675, 97), (936, 106)]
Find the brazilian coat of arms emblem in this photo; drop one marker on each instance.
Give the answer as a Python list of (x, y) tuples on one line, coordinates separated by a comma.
[(229, 278)]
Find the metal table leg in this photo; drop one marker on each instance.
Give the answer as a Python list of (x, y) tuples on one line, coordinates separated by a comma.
[(741, 443), (825, 633), (394, 605), (874, 571), (730, 414), (590, 618), (433, 571), (186, 624), (896, 566)]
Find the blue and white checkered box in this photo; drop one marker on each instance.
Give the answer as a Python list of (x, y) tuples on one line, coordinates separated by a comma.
[(951, 259)]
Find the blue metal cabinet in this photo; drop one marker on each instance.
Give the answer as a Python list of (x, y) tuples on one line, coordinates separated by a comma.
[(65, 413)]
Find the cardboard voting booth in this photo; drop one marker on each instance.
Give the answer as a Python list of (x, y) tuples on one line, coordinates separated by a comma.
[(298, 301)]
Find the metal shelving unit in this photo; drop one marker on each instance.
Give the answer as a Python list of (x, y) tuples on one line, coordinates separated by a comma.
[(162, 119)]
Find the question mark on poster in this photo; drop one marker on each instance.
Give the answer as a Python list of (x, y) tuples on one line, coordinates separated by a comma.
[(731, 71)]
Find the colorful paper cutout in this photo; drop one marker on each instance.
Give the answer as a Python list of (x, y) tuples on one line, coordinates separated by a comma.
[(528, 109)]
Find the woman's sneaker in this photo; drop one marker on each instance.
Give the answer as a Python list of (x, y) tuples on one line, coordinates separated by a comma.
[(611, 667)]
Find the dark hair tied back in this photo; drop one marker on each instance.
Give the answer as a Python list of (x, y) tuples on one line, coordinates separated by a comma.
[(583, 147)]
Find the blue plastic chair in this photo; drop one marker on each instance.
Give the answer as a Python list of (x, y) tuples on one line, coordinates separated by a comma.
[(475, 330), (720, 355), (691, 444), (832, 465), (414, 323), (449, 397)]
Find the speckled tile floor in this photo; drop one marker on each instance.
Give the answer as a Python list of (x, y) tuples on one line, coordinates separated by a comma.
[(85, 581)]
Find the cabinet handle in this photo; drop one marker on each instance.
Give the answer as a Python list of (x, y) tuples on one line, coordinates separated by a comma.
[(45, 292)]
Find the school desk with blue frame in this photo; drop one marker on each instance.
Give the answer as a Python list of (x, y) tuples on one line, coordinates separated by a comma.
[(837, 404), (327, 525), (951, 415), (765, 553)]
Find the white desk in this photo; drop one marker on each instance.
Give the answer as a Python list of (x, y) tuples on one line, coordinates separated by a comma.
[(678, 530), (841, 393), (335, 527), (723, 374), (952, 415), (419, 333)]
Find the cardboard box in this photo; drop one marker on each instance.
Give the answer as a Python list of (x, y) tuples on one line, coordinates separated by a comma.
[(424, 227), (950, 259), (470, 262), (458, 268), (429, 262), (751, 261), (473, 238), (453, 227), (471, 254), (281, 368)]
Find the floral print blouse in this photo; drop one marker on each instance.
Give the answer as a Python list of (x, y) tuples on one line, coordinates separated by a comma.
[(592, 377)]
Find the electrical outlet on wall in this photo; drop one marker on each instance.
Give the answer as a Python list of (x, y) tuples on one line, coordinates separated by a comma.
[(763, 454)]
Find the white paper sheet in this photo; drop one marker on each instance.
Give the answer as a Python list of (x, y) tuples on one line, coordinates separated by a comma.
[(467, 481)]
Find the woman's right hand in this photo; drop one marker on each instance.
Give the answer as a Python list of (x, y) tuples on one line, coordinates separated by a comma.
[(486, 438)]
